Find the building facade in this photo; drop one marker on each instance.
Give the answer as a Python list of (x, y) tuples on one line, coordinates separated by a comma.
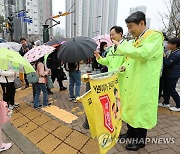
[(38, 10), (2, 11), (91, 17)]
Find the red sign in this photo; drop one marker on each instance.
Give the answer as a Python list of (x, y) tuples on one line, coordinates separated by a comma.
[(106, 104)]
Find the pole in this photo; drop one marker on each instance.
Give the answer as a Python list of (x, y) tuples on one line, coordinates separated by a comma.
[(75, 18), (45, 33), (10, 14)]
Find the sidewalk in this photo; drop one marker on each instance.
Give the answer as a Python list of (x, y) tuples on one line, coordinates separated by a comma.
[(52, 135), (14, 149)]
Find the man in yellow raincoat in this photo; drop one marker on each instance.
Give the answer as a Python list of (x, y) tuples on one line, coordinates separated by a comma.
[(141, 79), (113, 59)]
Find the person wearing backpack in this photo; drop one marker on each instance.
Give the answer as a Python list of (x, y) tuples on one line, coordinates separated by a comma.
[(41, 84), (74, 80)]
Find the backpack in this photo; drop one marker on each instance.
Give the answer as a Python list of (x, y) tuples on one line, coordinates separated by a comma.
[(72, 67), (32, 77)]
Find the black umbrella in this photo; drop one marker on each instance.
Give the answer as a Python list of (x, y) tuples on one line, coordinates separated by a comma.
[(56, 41), (77, 49)]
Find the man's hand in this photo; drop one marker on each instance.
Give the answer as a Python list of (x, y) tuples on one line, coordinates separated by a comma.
[(97, 55), (115, 42)]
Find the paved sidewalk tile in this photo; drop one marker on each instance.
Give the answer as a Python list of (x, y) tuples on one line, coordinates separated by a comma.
[(33, 114), (51, 125), (77, 140), (37, 135), (27, 128), (49, 143), (40, 120), (62, 132), (91, 147), (21, 121), (64, 149)]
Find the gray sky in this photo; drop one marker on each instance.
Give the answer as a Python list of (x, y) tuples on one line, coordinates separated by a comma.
[(153, 7)]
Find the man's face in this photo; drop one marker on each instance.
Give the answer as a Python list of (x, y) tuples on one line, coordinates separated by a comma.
[(171, 47), (24, 43), (115, 36), (136, 29)]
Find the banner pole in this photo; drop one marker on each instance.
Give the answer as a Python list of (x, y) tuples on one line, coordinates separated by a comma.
[(103, 74)]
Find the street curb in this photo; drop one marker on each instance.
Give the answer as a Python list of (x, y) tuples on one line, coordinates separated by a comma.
[(21, 141)]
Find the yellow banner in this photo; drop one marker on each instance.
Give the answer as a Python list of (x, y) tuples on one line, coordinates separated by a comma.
[(103, 109), (89, 110)]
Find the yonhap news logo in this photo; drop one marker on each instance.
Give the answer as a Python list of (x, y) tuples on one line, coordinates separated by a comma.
[(159, 140)]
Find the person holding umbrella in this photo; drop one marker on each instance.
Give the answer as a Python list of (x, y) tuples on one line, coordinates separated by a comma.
[(7, 84), (10, 61), (55, 65), (36, 53), (41, 84), (73, 52), (74, 80)]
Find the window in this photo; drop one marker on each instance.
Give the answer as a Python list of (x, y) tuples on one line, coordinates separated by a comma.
[(27, 3)]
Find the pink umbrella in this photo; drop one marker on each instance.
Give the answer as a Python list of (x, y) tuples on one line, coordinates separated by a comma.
[(103, 38), (38, 52)]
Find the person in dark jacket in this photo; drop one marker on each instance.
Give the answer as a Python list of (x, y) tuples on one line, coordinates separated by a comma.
[(24, 49), (56, 69), (171, 66)]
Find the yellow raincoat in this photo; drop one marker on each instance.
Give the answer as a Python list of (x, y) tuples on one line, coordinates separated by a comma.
[(141, 79), (113, 60)]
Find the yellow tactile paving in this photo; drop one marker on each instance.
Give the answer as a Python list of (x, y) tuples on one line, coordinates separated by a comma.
[(51, 102), (27, 128), (64, 149), (26, 110), (77, 140), (40, 120), (80, 113), (49, 143), (37, 135), (60, 113), (16, 115), (62, 132), (175, 113), (21, 121), (91, 147), (48, 134), (164, 110), (33, 114), (51, 125)]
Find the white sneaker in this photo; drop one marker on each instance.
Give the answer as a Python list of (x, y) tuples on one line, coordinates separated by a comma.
[(5, 146), (174, 109), (11, 107), (72, 98), (16, 105), (164, 105)]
